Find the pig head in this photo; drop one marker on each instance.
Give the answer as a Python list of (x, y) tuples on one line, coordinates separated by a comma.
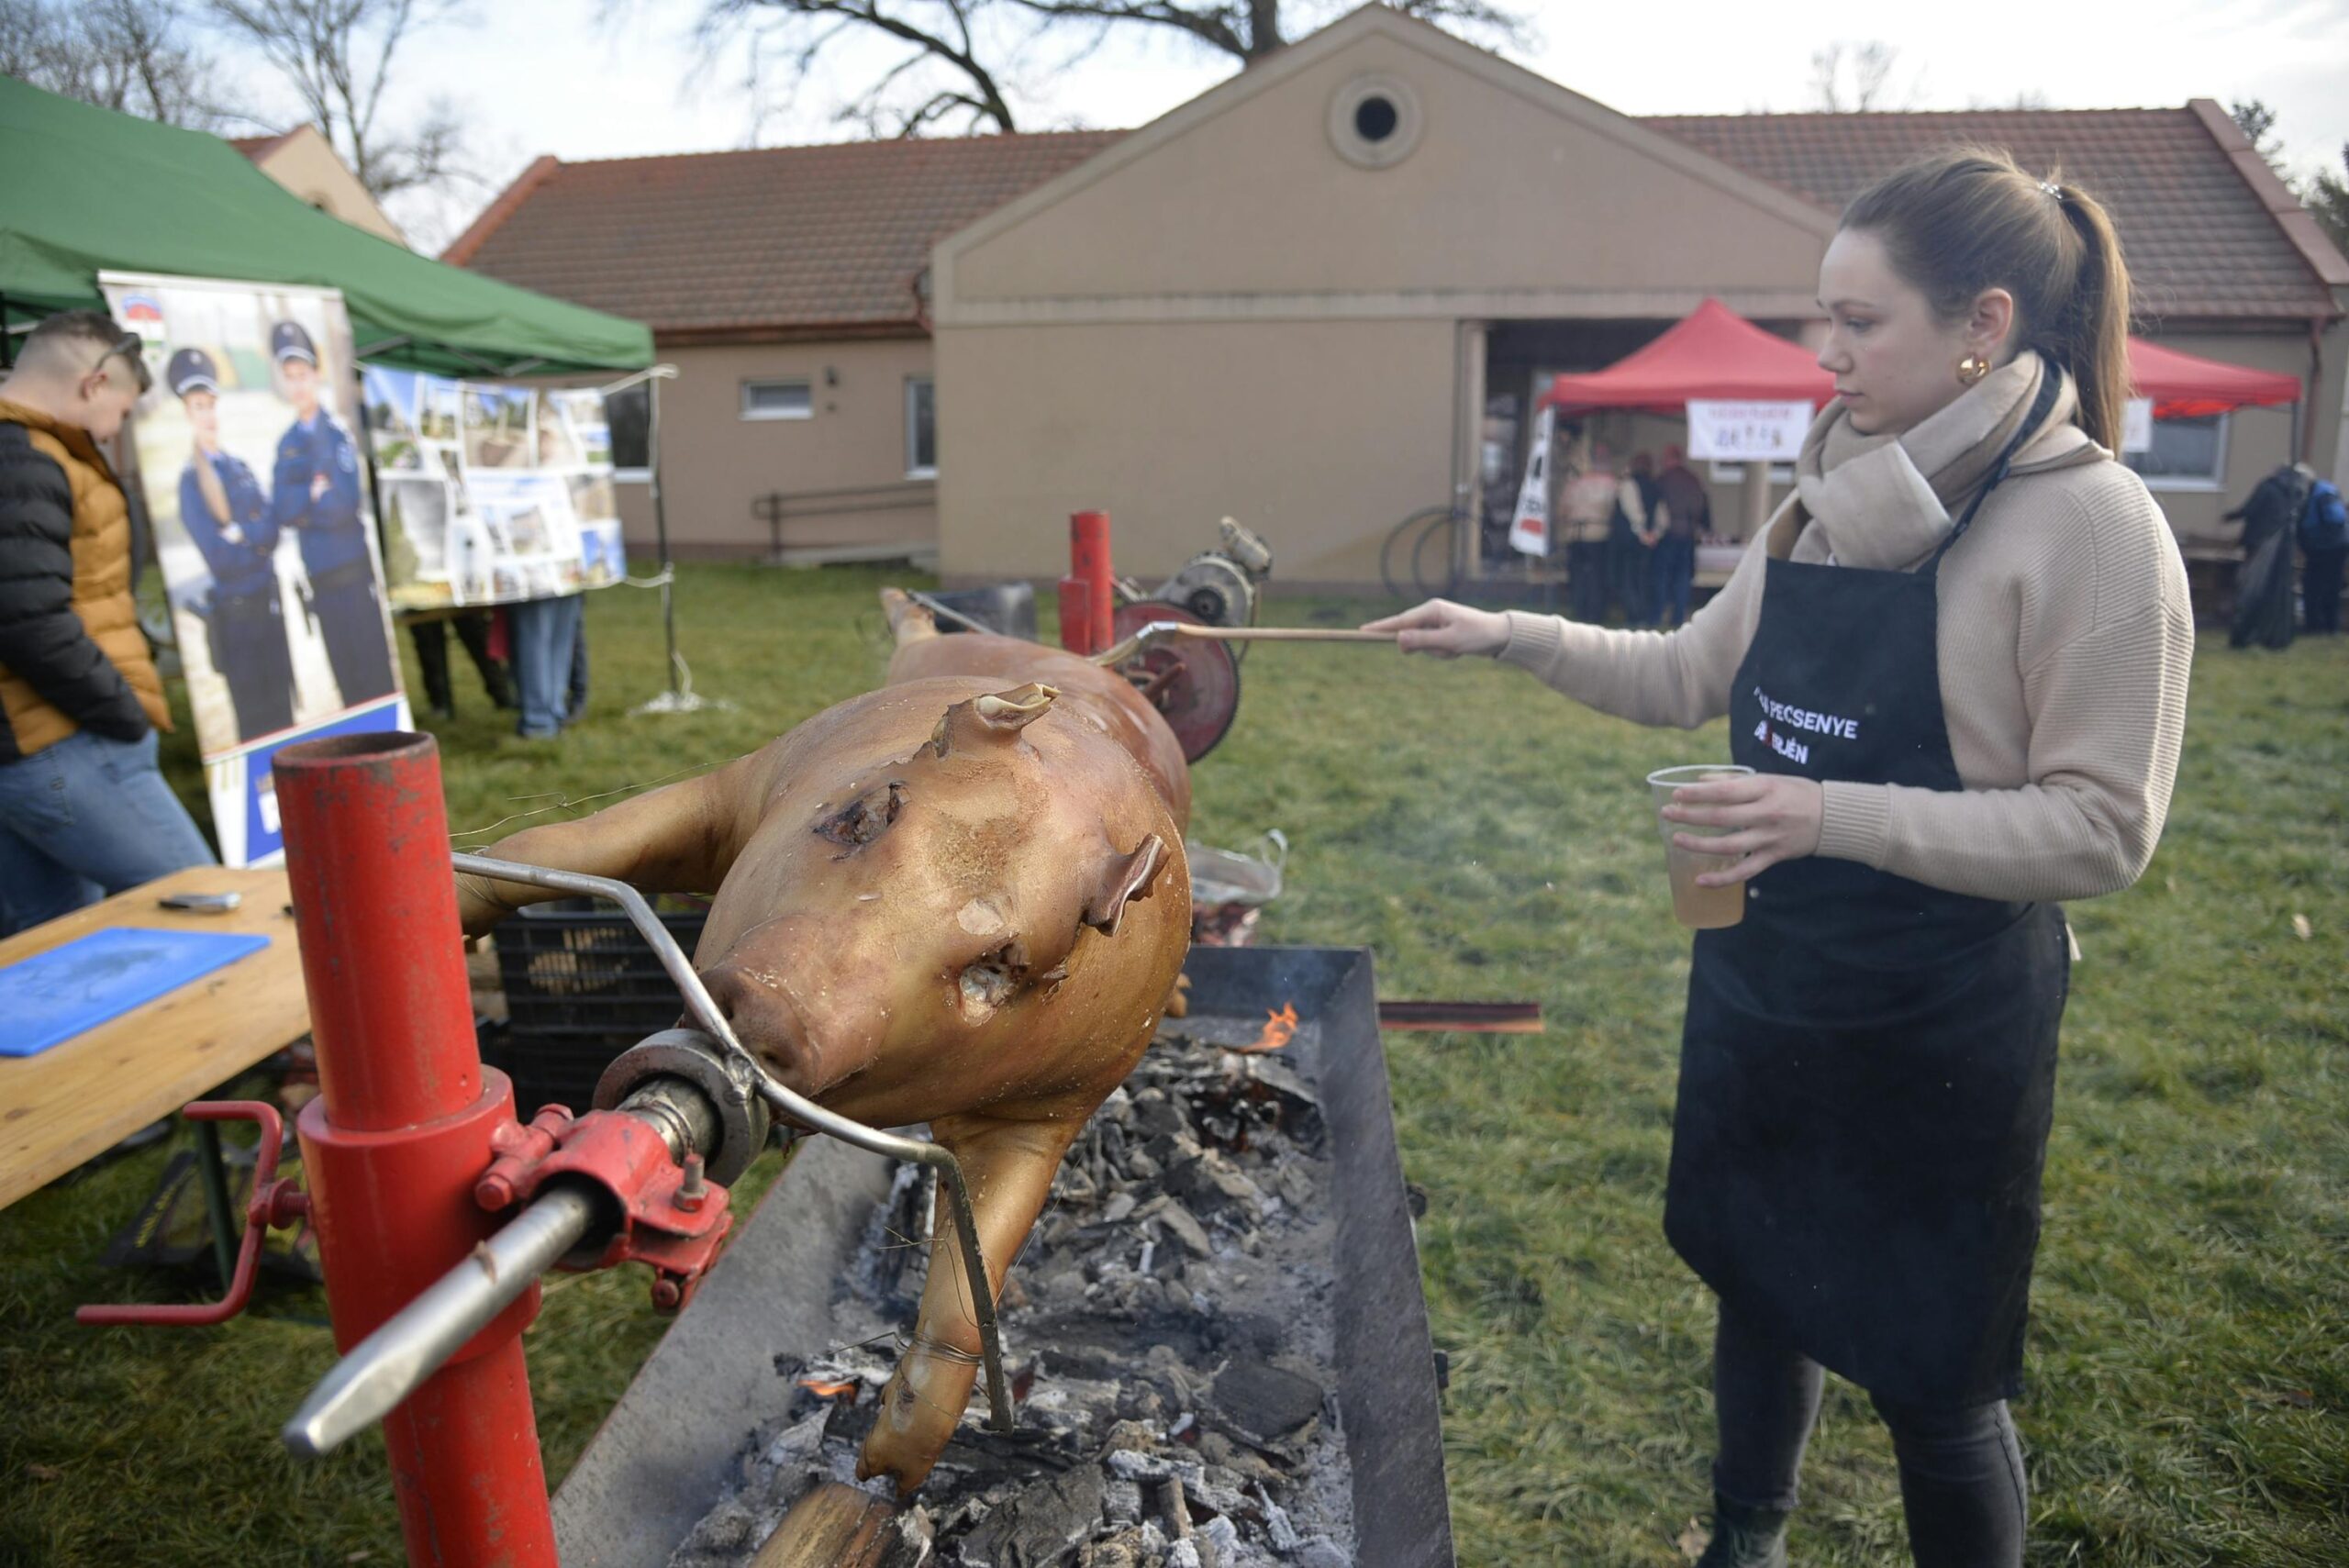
[(959, 899)]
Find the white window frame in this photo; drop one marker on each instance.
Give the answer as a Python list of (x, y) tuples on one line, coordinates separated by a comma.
[(914, 469), (806, 384), (2212, 485)]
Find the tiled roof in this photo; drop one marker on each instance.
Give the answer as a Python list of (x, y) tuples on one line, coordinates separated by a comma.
[(2202, 235), (795, 237)]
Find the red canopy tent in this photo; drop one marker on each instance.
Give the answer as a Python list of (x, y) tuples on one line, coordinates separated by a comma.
[(1715, 353), (2185, 386)]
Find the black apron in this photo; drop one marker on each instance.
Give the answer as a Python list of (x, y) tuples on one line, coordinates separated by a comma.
[(1868, 1066)]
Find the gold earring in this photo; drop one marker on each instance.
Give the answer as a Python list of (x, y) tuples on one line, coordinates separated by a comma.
[(1971, 369)]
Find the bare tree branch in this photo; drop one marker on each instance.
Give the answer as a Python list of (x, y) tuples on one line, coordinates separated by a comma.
[(969, 52), (338, 56), (136, 56), (1872, 65), (938, 31)]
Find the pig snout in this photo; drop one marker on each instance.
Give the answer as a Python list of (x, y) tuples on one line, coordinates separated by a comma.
[(768, 1025)]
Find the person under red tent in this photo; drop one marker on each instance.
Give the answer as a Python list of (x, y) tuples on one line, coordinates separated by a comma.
[(1689, 516)]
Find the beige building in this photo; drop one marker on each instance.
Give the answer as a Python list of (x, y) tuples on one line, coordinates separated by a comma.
[(1318, 297), (304, 163)]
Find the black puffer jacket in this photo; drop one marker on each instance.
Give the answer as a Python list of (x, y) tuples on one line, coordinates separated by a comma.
[(71, 653)]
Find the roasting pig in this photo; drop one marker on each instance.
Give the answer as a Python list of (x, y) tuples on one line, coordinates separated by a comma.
[(959, 899)]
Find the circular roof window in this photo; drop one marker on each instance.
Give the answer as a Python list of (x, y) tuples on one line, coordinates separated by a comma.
[(1375, 122)]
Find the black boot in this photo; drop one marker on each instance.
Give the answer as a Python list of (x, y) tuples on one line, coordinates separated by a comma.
[(1745, 1537)]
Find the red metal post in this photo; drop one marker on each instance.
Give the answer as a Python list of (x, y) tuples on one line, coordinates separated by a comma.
[(400, 1133), (1088, 551)]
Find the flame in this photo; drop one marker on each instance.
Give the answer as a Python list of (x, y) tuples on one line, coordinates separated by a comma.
[(1279, 1029), (823, 1390)]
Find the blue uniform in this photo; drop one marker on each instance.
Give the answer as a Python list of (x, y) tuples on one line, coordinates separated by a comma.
[(331, 533), (237, 569), (246, 621), (343, 601)]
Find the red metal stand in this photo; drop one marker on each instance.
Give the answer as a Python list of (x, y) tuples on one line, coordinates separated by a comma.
[(401, 1130), (1088, 597)]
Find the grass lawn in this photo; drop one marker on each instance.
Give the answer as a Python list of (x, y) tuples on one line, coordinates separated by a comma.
[(2189, 1359)]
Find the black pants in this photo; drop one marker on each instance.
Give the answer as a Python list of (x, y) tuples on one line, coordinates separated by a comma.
[(432, 656), (350, 620), (2321, 590), (1586, 583), (1961, 1470), (251, 653)]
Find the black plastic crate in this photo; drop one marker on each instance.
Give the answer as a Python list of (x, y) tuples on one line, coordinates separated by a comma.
[(581, 987)]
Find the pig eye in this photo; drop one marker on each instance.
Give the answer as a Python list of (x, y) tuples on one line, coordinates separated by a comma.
[(989, 983), (865, 818)]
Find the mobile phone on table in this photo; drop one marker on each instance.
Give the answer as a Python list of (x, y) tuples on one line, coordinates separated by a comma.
[(202, 903)]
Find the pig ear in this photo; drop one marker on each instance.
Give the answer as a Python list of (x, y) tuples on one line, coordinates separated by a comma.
[(997, 716), (1124, 879)]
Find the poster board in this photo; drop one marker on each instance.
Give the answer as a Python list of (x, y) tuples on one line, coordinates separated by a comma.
[(2137, 425), (250, 465), (1747, 432), (492, 493)]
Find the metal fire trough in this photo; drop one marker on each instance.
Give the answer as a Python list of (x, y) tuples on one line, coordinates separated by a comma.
[(672, 1449)]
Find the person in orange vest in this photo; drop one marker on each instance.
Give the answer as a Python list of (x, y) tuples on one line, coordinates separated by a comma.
[(83, 810)]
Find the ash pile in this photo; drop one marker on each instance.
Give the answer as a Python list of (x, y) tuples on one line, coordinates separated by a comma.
[(1169, 1339)]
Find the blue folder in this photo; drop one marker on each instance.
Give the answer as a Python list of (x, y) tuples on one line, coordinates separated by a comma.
[(52, 996)]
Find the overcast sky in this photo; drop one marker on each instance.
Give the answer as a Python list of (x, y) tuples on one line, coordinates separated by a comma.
[(565, 79)]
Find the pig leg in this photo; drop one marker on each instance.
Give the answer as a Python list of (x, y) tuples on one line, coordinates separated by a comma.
[(908, 621), (1010, 1166), (682, 838)]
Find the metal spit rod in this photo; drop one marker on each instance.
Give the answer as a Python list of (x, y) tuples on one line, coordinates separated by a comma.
[(968, 623), (784, 1101), (1166, 630), (408, 1346)]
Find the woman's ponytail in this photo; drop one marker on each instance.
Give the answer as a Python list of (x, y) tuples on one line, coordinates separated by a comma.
[(2091, 337), (1968, 218)]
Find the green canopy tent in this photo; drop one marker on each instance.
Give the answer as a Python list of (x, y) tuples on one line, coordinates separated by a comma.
[(84, 189)]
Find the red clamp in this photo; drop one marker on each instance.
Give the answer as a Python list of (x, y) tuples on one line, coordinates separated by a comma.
[(672, 1219), (272, 1204)]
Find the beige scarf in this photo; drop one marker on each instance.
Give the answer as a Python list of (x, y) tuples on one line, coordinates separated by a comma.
[(1887, 503)]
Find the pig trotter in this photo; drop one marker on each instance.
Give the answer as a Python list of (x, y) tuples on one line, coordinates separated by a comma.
[(1010, 1166)]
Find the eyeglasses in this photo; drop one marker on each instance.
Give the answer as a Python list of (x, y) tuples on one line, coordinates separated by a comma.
[(131, 348)]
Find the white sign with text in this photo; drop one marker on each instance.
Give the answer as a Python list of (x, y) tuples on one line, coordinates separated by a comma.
[(1746, 433)]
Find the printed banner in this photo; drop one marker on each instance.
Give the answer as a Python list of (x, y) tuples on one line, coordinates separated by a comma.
[(1529, 530), (492, 493), (258, 494), (1747, 432)]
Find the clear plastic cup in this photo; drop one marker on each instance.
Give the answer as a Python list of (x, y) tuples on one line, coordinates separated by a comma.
[(1699, 908)]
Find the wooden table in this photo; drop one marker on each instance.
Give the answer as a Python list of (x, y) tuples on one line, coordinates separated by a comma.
[(81, 1099)]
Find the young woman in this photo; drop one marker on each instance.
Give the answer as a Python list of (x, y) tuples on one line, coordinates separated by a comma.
[(1957, 661)]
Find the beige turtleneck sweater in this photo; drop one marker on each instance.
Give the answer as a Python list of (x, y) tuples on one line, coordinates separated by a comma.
[(2065, 639)]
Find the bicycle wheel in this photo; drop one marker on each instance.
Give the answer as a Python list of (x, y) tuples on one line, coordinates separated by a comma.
[(1435, 560), (1406, 547)]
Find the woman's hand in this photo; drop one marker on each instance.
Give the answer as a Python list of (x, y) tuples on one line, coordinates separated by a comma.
[(1445, 629), (1772, 817)]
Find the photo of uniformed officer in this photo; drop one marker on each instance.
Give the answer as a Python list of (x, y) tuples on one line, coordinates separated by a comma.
[(315, 493), (227, 518)]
